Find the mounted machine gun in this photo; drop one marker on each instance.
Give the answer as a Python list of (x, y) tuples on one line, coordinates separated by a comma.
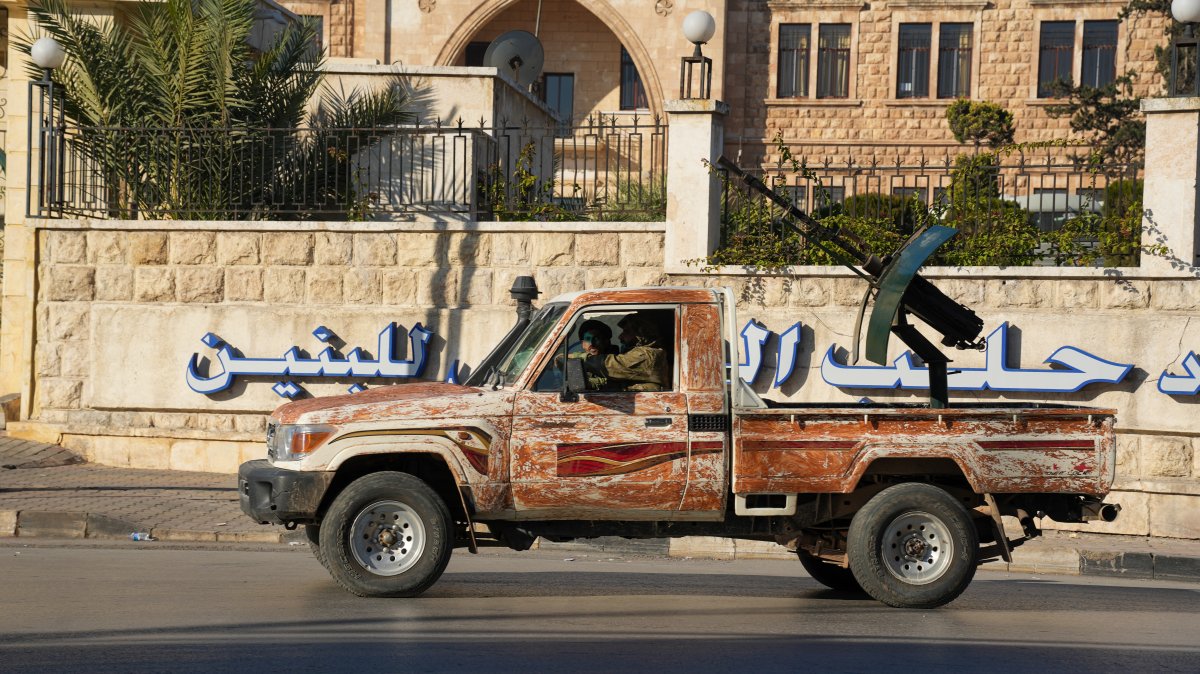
[(894, 285)]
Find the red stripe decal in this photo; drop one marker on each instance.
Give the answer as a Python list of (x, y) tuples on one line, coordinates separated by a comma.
[(778, 445), (594, 458), (1037, 444)]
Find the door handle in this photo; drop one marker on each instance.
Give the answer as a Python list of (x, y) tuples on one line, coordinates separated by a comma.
[(658, 422)]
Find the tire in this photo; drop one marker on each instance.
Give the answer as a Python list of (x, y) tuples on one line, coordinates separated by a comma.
[(312, 532), (913, 546), (400, 559), (829, 574)]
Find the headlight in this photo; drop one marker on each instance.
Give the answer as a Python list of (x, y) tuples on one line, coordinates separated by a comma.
[(290, 442)]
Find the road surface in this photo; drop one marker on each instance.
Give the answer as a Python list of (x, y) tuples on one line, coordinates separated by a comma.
[(148, 607)]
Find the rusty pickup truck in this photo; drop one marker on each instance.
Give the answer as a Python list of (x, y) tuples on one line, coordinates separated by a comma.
[(901, 501)]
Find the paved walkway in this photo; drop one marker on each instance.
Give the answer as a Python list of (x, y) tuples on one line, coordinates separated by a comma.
[(45, 490)]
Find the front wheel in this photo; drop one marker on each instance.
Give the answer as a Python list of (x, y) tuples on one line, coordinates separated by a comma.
[(387, 535), (312, 533), (913, 546)]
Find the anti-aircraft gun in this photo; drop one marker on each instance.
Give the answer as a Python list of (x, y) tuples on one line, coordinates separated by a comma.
[(894, 285)]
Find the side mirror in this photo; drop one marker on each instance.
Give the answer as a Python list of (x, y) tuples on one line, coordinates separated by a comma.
[(574, 382)]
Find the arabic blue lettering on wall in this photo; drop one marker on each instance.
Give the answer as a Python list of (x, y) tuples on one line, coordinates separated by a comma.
[(327, 363), (1076, 368), (1182, 384)]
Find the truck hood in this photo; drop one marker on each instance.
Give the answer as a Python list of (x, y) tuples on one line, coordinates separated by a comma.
[(416, 400)]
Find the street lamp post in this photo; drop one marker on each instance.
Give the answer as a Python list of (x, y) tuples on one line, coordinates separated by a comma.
[(47, 54), (1185, 50), (698, 27)]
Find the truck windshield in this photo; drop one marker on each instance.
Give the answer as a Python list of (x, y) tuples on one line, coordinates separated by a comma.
[(515, 361)]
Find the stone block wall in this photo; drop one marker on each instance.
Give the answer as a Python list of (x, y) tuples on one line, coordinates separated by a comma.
[(98, 271), (91, 273)]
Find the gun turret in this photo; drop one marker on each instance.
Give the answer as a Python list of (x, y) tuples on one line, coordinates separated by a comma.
[(894, 285)]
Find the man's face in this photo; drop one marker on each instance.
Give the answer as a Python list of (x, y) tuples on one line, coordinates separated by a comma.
[(627, 337), (593, 344)]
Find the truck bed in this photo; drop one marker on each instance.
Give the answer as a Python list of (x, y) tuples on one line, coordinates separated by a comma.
[(998, 448)]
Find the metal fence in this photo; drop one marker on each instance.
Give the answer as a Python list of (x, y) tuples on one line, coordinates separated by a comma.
[(1052, 205), (601, 169)]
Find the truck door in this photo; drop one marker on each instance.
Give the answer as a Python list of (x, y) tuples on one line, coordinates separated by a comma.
[(621, 450)]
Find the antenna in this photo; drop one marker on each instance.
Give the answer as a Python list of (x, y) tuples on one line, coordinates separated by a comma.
[(518, 53), (898, 291)]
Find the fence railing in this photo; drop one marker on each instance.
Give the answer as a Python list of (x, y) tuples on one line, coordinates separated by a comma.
[(1052, 205), (600, 169)]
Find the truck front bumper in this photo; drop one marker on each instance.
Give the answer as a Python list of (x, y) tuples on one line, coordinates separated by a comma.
[(273, 495)]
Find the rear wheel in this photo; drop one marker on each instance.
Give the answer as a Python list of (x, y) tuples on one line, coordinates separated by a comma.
[(829, 574), (913, 546), (387, 535)]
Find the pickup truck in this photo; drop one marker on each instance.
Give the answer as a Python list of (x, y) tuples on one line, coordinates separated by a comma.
[(900, 501)]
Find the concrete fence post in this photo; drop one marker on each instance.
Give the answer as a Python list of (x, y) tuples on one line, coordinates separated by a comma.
[(1171, 193), (696, 134)]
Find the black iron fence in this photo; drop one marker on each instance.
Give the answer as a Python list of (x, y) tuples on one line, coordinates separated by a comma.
[(1048, 205), (604, 168)]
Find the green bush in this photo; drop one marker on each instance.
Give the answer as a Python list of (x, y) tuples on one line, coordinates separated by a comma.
[(974, 177), (904, 212), (980, 123), (1112, 238), (990, 232), (877, 236)]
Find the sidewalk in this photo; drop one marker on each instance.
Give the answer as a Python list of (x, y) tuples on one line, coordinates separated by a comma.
[(47, 491)]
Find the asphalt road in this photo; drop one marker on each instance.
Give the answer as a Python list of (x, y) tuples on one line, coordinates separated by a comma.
[(147, 607)]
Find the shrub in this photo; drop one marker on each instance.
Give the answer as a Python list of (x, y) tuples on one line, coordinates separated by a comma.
[(980, 123), (904, 212)]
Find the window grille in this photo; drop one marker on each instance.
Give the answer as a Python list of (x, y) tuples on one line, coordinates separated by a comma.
[(793, 60), (833, 61), (1099, 53), (954, 60), (912, 63), (1057, 48)]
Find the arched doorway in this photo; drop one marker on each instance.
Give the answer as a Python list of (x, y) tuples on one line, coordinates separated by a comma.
[(594, 61)]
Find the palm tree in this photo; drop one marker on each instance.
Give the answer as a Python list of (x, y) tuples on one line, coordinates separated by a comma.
[(174, 113)]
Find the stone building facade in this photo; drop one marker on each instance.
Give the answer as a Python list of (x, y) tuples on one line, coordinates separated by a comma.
[(1001, 47)]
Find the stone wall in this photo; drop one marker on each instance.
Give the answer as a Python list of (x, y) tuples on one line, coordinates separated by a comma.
[(171, 284), (121, 307)]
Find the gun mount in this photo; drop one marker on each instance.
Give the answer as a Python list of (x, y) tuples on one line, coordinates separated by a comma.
[(895, 286)]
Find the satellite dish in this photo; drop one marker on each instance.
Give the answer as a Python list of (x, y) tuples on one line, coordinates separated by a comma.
[(517, 53)]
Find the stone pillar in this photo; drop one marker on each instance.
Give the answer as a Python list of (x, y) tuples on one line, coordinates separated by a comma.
[(696, 135), (19, 288), (1172, 193)]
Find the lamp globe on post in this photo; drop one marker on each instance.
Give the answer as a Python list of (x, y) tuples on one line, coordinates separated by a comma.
[(48, 54), (1186, 11), (698, 27), (1185, 50)]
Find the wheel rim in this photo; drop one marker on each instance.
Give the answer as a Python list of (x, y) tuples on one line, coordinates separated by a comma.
[(387, 537), (917, 548)]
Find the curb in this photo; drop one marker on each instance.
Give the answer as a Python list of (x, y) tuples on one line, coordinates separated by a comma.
[(76, 525)]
